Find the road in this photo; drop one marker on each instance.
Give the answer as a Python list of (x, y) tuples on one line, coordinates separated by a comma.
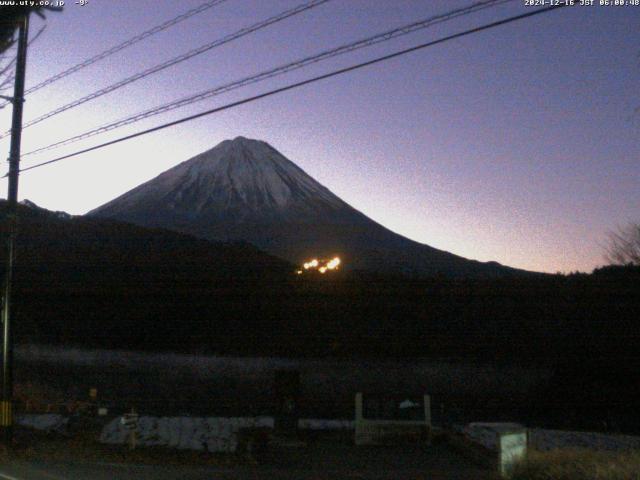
[(84, 471), (326, 462)]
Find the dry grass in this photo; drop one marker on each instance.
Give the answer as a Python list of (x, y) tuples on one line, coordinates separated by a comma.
[(208, 385), (578, 464)]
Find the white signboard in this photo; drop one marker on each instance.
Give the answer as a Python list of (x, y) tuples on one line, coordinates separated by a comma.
[(513, 447)]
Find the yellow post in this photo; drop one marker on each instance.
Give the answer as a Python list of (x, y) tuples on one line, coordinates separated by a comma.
[(6, 419)]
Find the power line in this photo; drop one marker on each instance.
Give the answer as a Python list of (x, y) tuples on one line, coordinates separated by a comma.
[(280, 70), (8, 71), (181, 58), (301, 83), (125, 44)]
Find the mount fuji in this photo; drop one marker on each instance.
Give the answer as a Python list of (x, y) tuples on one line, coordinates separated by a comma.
[(245, 190)]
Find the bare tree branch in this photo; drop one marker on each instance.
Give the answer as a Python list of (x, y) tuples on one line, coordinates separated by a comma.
[(624, 245)]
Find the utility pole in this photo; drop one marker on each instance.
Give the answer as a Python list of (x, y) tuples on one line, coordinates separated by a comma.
[(6, 399)]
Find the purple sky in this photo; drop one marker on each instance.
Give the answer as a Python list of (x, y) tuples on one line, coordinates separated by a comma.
[(519, 144)]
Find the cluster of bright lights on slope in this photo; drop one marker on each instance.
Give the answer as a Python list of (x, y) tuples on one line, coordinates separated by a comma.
[(322, 266)]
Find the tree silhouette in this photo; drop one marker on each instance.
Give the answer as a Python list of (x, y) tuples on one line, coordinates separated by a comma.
[(10, 18), (624, 245)]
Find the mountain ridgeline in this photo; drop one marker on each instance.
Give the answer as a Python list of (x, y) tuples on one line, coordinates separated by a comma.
[(245, 190)]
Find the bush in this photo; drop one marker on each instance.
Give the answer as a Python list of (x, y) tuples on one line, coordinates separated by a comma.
[(578, 464)]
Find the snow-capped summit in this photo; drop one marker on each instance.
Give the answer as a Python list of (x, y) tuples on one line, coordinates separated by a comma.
[(245, 189), (239, 180)]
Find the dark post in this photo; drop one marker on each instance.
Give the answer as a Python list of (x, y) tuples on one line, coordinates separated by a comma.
[(6, 402), (287, 396)]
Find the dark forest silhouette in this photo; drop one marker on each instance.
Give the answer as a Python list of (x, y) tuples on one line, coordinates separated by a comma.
[(96, 283)]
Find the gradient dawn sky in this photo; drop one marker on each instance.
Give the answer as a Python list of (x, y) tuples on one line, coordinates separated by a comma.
[(519, 144)]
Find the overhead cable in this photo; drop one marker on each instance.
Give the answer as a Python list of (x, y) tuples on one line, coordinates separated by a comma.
[(181, 58), (280, 70), (300, 84), (121, 46)]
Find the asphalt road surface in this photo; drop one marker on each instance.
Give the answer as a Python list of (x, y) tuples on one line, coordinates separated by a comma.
[(325, 462)]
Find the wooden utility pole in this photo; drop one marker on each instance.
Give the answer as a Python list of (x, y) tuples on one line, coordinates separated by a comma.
[(6, 395)]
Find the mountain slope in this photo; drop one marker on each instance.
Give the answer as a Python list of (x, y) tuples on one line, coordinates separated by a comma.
[(98, 282), (246, 190)]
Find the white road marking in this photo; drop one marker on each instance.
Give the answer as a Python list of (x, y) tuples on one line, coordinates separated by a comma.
[(8, 477)]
